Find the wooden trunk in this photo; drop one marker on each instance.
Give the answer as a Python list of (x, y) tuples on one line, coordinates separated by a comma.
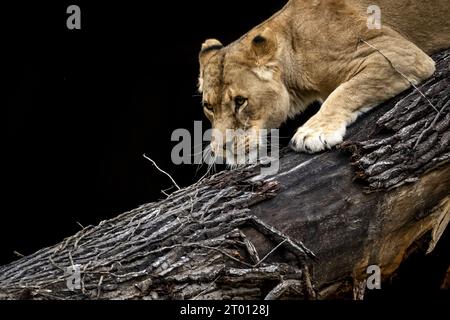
[(309, 231)]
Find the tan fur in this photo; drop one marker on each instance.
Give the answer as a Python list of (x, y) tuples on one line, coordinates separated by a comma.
[(312, 50)]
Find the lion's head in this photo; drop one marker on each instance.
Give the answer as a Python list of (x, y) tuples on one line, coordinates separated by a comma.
[(242, 89)]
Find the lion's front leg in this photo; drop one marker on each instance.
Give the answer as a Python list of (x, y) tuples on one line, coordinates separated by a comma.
[(375, 84), (327, 128)]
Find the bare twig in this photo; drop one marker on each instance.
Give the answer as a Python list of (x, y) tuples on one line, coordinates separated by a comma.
[(207, 288), (18, 254), (78, 223), (99, 287), (162, 171), (271, 252), (277, 292), (433, 123)]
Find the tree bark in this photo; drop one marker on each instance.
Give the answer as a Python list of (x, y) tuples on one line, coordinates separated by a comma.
[(310, 231)]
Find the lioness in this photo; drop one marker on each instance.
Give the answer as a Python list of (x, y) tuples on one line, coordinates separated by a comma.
[(319, 50)]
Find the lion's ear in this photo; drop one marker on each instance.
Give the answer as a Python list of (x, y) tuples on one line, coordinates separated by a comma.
[(209, 47), (264, 46)]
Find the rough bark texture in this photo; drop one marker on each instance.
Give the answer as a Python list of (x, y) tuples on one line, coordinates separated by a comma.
[(310, 231)]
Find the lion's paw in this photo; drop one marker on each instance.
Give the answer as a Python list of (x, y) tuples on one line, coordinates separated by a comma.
[(312, 138)]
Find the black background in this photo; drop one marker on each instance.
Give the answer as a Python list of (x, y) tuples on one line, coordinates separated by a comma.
[(83, 106)]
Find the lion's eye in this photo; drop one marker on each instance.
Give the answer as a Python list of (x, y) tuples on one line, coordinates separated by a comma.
[(239, 102), (207, 106)]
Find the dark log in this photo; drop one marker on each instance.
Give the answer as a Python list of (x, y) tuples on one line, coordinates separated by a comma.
[(310, 231), (446, 282)]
